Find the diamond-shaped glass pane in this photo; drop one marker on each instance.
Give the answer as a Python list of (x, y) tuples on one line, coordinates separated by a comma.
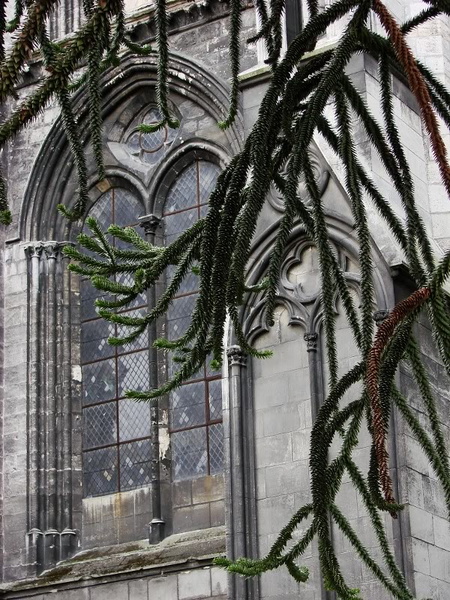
[(99, 381), (140, 342), (215, 399), (133, 372), (127, 279), (134, 143), (190, 283), (178, 222), (100, 472), (127, 208), (183, 192), (134, 464), (94, 340), (134, 419), (210, 371), (152, 141), (88, 295), (189, 454), (216, 448), (209, 173), (179, 316), (102, 210), (181, 307), (100, 425), (187, 405)]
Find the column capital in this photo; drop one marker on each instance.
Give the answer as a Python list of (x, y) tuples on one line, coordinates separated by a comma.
[(33, 250), (149, 223), (236, 356), (311, 341), (52, 248)]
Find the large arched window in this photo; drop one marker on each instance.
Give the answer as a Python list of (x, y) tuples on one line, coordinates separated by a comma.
[(196, 407), (116, 430)]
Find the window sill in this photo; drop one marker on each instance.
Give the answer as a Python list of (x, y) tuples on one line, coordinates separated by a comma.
[(179, 552)]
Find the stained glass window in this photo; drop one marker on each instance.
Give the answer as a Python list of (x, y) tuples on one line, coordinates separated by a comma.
[(195, 407), (116, 430)]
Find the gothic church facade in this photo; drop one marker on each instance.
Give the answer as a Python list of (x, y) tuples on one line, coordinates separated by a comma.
[(101, 497)]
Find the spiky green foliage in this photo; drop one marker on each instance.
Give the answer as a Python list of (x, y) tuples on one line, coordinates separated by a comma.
[(218, 247)]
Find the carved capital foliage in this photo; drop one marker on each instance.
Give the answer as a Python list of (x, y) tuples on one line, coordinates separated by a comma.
[(51, 249), (236, 356), (311, 341), (149, 223)]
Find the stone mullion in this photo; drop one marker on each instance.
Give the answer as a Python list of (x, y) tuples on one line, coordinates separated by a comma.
[(150, 224)]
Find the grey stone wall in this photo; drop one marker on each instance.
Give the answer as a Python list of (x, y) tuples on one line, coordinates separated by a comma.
[(121, 518), (206, 583), (281, 389)]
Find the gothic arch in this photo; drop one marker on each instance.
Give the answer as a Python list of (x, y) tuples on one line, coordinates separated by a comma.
[(53, 180)]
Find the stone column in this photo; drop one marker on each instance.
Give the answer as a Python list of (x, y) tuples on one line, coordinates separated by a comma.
[(51, 534), (240, 472), (150, 224)]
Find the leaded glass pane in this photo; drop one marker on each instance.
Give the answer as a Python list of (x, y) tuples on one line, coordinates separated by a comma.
[(183, 192), (94, 340), (99, 381), (150, 142), (210, 372), (179, 316), (102, 210), (189, 453), (100, 425), (207, 181), (134, 464), (88, 295), (215, 399), (216, 448), (133, 372), (140, 342), (189, 284), (188, 405), (134, 420), (178, 223), (127, 279), (100, 472), (127, 208)]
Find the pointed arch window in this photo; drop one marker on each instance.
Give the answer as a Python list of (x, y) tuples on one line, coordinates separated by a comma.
[(116, 430), (196, 407)]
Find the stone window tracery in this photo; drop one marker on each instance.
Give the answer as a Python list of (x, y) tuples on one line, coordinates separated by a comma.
[(151, 147)]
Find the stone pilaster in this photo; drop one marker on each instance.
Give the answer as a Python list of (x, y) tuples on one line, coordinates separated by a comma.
[(240, 472), (51, 535)]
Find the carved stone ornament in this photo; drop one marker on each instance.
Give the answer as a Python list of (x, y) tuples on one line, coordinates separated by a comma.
[(149, 223), (311, 341), (236, 356), (321, 174)]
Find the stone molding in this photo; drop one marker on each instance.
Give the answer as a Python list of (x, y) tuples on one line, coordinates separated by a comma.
[(51, 534)]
